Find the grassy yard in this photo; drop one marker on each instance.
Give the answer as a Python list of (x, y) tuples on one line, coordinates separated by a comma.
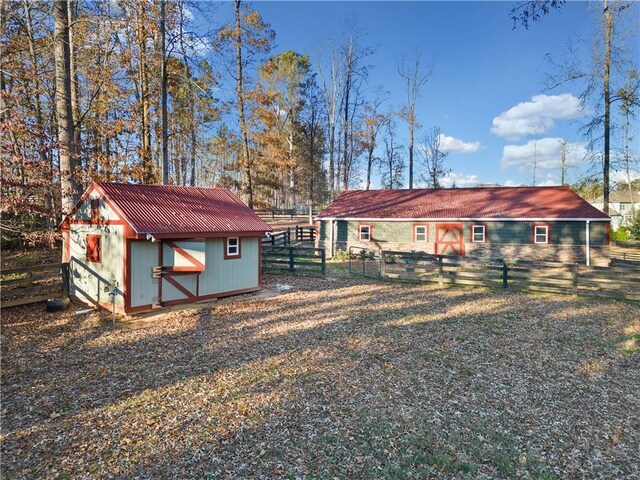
[(333, 378)]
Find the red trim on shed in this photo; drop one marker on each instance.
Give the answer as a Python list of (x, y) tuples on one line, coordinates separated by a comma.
[(456, 245), (239, 254), (533, 233)]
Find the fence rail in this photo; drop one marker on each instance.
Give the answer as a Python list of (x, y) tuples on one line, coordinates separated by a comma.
[(25, 285), (274, 213), (610, 282), (305, 233), (294, 260), (277, 239)]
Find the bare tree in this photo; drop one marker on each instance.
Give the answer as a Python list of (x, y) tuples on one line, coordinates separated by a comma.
[(66, 132), (598, 79), (332, 95), (374, 122), (433, 158), (415, 77), (392, 166)]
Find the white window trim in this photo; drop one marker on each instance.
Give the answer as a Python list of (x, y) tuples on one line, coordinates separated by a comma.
[(473, 233), (368, 227), (236, 246), (415, 233), (546, 234)]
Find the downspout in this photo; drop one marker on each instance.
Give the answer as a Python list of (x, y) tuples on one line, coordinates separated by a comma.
[(588, 243), (331, 237)]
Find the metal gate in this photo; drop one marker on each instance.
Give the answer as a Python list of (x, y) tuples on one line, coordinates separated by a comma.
[(364, 261)]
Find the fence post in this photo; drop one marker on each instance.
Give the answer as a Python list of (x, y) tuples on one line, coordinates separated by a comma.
[(64, 272), (291, 262), (575, 279), (505, 271), (440, 269), (383, 266), (297, 234), (324, 261), (288, 236)]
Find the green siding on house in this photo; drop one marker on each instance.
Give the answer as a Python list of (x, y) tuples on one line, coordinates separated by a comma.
[(561, 233)]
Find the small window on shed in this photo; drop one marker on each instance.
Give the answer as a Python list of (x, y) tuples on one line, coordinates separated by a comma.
[(540, 234), (232, 248), (420, 233), (478, 233), (94, 248), (95, 210), (364, 233)]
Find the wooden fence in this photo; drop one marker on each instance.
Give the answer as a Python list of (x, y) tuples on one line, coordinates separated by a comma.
[(277, 239), (294, 260), (305, 233), (625, 251), (21, 286), (274, 213), (610, 282)]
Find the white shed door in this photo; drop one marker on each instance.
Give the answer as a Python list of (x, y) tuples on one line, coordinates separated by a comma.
[(144, 288)]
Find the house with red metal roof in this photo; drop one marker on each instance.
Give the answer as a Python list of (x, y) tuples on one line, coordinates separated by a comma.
[(144, 246), (526, 223)]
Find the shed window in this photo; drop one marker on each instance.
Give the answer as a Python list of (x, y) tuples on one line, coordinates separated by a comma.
[(95, 210), (364, 233), (94, 248), (232, 249), (478, 233), (540, 234), (420, 233)]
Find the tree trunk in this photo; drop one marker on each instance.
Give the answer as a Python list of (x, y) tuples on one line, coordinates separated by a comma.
[(147, 162), (608, 16), (163, 93), (66, 134), (75, 88), (411, 129), (247, 183)]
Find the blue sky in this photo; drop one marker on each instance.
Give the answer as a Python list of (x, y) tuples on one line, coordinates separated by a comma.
[(486, 93)]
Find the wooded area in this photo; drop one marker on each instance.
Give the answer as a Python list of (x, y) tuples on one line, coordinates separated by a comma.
[(130, 91), (139, 91)]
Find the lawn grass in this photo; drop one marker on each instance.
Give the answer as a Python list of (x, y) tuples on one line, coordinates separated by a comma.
[(339, 377)]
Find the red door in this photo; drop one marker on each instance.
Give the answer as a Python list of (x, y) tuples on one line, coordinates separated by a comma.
[(449, 239)]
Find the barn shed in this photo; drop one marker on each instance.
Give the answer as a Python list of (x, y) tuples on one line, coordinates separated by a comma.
[(157, 245), (527, 223)]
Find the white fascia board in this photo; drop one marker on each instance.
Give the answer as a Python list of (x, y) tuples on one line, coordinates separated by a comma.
[(533, 219)]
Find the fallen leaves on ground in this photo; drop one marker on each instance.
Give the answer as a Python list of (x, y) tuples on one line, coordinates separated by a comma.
[(335, 378)]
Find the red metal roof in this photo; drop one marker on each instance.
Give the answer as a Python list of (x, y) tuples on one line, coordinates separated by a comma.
[(171, 209), (459, 203)]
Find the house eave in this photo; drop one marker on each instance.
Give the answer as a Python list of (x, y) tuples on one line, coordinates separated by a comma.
[(464, 219)]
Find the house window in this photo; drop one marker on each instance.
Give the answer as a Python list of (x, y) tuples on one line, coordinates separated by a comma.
[(478, 233), (94, 248), (540, 234), (420, 233), (95, 210), (232, 247), (623, 207), (364, 233)]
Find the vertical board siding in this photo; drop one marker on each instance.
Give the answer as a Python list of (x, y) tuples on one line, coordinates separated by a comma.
[(144, 288), (88, 279), (105, 212), (228, 275)]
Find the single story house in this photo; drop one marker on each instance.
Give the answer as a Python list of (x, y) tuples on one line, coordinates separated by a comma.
[(156, 245), (527, 223), (623, 204)]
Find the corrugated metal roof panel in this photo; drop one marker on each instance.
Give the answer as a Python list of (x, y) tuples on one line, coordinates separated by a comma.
[(488, 203), (172, 209)]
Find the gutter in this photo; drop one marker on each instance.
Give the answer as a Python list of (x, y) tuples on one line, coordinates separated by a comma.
[(463, 219)]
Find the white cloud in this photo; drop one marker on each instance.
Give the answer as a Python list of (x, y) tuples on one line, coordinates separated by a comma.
[(460, 180), (536, 116), (455, 145), (621, 177), (512, 183), (546, 152)]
